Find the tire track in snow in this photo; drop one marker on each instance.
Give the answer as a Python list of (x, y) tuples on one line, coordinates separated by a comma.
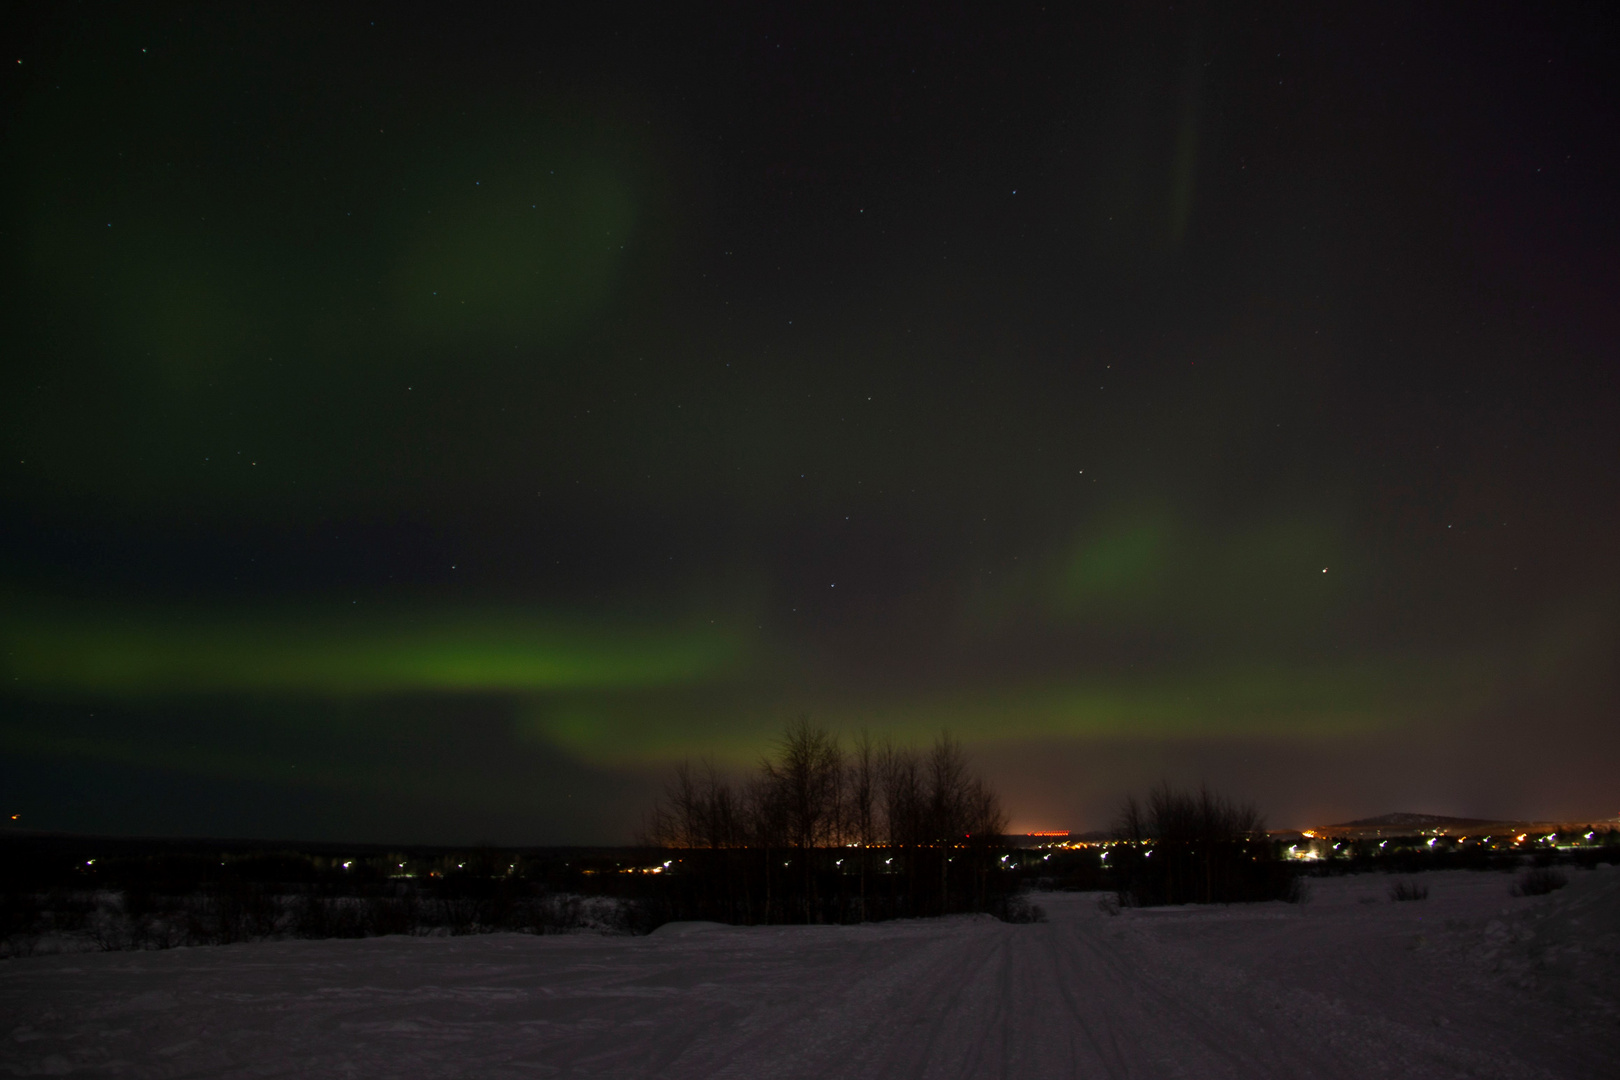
[(900, 1015)]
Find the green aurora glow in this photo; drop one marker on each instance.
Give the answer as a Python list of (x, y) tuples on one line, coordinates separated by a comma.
[(139, 652)]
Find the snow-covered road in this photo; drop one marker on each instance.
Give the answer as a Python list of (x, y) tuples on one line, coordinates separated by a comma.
[(1471, 982)]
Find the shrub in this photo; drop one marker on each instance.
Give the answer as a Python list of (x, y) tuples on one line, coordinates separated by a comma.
[(1539, 882), (1016, 909), (1406, 890)]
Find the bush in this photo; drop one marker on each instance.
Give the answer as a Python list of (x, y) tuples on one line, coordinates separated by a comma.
[(1016, 909), (1539, 882), (1407, 890)]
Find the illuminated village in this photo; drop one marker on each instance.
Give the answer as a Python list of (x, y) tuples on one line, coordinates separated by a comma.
[(1390, 835)]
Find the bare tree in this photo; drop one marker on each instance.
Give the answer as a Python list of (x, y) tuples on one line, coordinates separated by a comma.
[(947, 790), (901, 778), (863, 806), (986, 820), (698, 809), (808, 777), (1131, 823), (807, 783), (672, 817)]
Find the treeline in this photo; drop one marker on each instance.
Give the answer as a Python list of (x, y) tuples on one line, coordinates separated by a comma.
[(1194, 847), (69, 894), (71, 920), (52, 899), (825, 833)]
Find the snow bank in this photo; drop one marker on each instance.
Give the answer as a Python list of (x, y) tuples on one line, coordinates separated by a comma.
[(683, 929)]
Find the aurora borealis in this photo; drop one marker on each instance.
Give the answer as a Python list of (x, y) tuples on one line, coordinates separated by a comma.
[(430, 425)]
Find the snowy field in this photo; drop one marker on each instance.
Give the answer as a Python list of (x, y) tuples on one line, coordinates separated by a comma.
[(1470, 982)]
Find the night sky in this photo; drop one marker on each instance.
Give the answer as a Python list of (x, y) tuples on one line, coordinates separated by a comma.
[(423, 423)]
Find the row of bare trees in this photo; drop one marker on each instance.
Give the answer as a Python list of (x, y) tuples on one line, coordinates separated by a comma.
[(1194, 847), (821, 832), (814, 793)]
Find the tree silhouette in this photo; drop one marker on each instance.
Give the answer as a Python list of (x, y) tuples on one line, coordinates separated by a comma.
[(787, 843)]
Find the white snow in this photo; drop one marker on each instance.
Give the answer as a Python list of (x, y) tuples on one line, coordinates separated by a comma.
[(1471, 982)]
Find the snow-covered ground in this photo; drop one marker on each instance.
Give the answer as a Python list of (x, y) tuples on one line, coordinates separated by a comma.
[(1470, 982)]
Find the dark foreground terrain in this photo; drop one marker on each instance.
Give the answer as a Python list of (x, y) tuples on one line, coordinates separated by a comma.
[(1469, 981)]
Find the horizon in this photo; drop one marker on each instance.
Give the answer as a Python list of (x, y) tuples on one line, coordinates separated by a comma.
[(1013, 832)]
